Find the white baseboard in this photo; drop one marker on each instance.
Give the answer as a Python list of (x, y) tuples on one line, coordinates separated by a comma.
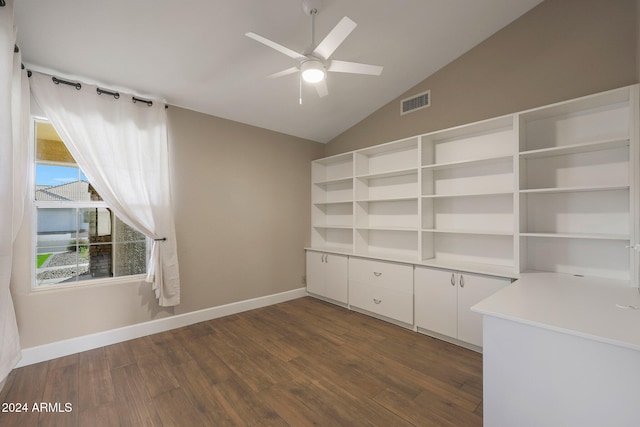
[(62, 348)]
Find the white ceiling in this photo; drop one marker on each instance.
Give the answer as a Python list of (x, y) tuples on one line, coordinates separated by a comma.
[(194, 54)]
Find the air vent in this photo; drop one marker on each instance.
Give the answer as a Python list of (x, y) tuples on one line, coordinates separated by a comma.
[(417, 102)]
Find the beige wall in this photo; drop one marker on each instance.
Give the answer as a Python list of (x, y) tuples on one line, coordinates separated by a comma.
[(53, 315), (242, 208), (559, 50), (242, 219)]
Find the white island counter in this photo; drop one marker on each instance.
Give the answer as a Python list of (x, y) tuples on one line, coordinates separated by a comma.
[(561, 350)]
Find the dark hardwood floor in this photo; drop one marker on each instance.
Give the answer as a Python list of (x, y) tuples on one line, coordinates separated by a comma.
[(303, 362)]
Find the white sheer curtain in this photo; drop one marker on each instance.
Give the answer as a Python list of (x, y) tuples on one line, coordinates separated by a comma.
[(14, 167), (122, 148)]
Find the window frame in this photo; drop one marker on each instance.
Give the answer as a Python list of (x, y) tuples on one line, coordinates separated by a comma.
[(77, 205)]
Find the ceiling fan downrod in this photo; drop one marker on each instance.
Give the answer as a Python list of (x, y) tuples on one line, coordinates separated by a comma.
[(311, 7)]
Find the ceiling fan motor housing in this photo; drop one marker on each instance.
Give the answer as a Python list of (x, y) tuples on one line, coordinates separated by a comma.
[(311, 7)]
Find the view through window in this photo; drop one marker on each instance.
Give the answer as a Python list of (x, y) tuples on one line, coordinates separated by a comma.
[(78, 238)]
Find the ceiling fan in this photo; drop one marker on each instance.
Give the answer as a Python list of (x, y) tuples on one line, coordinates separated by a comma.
[(315, 61)]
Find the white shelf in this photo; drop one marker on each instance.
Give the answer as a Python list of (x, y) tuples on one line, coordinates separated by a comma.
[(332, 169), (576, 124), (463, 249), (338, 227), (467, 163), (486, 194), (389, 242), (327, 182), (379, 160), (344, 202), (385, 228), (388, 174), (589, 257), (576, 148), (332, 191), (574, 189), (593, 236), (475, 178), (476, 232), (388, 199), (574, 107), (465, 145), (332, 238)]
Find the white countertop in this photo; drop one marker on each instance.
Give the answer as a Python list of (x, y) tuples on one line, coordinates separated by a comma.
[(594, 308)]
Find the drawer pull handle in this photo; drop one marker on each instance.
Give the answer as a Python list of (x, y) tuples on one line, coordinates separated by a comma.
[(453, 280), (377, 301), (375, 273), (461, 281)]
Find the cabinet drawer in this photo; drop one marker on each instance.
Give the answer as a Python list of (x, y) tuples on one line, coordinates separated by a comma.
[(398, 277), (382, 288)]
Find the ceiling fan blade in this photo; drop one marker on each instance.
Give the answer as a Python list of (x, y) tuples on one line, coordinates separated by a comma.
[(335, 38), (283, 73), (355, 68), (321, 88), (273, 45)]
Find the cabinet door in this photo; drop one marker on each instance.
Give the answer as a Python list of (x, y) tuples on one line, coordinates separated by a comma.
[(471, 290), (436, 301), (316, 272), (336, 276)]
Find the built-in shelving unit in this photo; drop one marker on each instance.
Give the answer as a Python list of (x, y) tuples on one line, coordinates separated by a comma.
[(467, 196), (577, 186), (551, 189), (332, 203), (387, 189)]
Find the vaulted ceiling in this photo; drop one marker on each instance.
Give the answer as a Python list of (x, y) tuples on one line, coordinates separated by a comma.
[(194, 53)]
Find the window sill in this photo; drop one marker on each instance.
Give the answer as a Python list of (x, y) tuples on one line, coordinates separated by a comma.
[(84, 284)]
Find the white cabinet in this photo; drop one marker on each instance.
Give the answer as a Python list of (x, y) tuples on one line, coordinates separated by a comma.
[(327, 275), (383, 288), (443, 301)]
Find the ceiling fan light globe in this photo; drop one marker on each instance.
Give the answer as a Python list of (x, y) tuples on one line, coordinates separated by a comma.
[(312, 71), (313, 76)]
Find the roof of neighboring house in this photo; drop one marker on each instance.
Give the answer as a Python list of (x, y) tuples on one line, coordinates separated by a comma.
[(77, 191)]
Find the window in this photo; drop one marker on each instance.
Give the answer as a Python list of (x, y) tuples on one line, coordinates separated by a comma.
[(78, 238)]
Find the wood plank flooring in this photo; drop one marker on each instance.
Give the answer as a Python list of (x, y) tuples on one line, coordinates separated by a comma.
[(299, 363)]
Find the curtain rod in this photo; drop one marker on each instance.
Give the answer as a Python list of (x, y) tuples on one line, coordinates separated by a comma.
[(57, 81), (146, 101), (116, 95), (28, 71), (100, 91), (16, 49), (78, 85)]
